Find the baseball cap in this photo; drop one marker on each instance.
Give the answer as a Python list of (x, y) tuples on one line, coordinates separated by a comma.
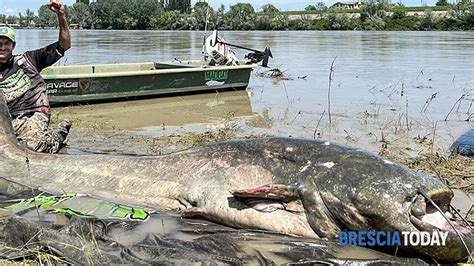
[(7, 32)]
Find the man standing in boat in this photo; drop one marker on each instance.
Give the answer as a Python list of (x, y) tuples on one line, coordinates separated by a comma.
[(25, 90)]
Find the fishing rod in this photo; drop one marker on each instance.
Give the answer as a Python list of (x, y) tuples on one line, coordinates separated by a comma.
[(205, 32)]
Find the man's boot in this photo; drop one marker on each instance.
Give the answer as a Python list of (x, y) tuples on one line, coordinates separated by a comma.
[(63, 130)]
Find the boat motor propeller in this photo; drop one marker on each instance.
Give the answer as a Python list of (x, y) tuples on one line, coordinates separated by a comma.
[(258, 56)]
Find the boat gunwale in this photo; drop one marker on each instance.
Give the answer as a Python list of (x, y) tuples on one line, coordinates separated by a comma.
[(105, 97), (143, 72)]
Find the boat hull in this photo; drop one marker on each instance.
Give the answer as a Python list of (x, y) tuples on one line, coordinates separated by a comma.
[(114, 82)]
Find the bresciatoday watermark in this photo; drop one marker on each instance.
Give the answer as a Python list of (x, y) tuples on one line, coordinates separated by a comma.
[(389, 238)]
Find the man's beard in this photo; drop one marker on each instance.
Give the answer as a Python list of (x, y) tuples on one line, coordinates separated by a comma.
[(4, 58)]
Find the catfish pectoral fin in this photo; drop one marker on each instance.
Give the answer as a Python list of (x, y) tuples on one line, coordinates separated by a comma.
[(184, 204), (225, 209), (194, 212), (271, 191)]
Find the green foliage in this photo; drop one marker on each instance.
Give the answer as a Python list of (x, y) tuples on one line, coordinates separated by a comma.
[(183, 6), (201, 5), (340, 22), (462, 15), (271, 19), (442, 3), (241, 16), (427, 22), (373, 23), (299, 24), (372, 15), (270, 9), (241, 10), (423, 8), (373, 9), (46, 18), (399, 12), (219, 16), (403, 23), (25, 20), (320, 25), (125, 14), (80, 14), (150, 14), (197, 19), (321, 6), (165, 22)]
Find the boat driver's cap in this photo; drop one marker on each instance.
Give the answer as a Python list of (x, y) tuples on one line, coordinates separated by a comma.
[(7, 32)]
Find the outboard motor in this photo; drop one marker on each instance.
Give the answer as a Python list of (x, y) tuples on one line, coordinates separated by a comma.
[(219, 53)]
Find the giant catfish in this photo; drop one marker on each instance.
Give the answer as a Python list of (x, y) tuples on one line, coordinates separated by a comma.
[(293, 186)]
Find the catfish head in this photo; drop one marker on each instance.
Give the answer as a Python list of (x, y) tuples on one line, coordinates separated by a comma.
[(358, 191)]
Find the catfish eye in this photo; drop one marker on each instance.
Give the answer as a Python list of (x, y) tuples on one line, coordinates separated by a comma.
[(411, 197)]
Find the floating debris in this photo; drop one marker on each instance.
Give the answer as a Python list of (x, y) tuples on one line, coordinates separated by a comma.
[(274, 73)]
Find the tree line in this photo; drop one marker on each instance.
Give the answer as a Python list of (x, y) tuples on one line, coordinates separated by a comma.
[(150, 14)]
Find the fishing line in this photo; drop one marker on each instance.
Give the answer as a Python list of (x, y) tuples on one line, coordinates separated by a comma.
[(428, 198), (460, 216)]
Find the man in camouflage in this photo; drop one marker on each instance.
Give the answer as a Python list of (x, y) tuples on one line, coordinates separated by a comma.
[(25, 90)]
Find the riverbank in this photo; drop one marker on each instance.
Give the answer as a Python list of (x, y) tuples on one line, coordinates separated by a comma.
[(151, 15)]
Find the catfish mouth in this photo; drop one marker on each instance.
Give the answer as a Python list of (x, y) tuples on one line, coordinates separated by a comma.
[(426, 217)]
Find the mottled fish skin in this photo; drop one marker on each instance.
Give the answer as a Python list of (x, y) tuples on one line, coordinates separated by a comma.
[(340, 188)]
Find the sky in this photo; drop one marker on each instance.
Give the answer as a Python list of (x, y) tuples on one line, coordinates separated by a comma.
[(12, 7)]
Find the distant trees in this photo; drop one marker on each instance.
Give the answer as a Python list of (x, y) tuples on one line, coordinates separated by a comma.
[(150, 14), (183, 6), (399, 12), (80, 14), (27, 19), (241, 16), (117, 14), (269, 9), (310, 8), (320, 6), (46, 18), (442, 3), (271, 19), (372, 14)]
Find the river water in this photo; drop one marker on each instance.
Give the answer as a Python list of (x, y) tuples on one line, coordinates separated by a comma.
[(381, 87)]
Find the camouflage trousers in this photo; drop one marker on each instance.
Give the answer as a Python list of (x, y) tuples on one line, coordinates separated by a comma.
[(32, 130)]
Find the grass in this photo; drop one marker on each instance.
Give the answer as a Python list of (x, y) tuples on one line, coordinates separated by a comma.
[(351, 11), (226, 132), (43, 248), (456, 170)]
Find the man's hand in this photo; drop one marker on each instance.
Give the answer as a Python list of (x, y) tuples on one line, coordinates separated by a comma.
[(57, 6)]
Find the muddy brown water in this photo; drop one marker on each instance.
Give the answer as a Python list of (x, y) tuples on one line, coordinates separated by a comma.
[(398, 87), (409, 90)]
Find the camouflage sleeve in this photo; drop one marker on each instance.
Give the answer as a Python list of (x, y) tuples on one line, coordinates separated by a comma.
[(46, 56)]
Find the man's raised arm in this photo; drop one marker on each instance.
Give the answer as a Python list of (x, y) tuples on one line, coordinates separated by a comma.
[(57, 6)]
